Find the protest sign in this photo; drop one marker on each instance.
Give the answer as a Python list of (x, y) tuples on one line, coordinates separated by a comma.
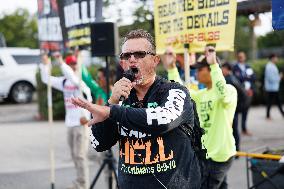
[(49, 30), (195, 22), (76, 17)]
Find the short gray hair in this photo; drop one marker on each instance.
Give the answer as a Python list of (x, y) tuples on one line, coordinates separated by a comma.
[(140, 33)]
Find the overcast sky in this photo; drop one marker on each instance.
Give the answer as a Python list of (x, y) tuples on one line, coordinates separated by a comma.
[(8, 6)]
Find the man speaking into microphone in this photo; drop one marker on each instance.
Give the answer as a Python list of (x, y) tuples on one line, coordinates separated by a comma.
[(154, 150)]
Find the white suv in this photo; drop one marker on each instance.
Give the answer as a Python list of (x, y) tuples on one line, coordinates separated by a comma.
[(17, 73)]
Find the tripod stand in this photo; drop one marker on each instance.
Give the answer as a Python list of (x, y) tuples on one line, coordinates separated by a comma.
[(109, 159)]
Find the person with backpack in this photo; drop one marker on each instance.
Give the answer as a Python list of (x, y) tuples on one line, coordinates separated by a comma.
[(152, 124), (216, 105), (75, 117), (97, 87)]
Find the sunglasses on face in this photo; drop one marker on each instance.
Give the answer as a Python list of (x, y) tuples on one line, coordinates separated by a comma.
[(137, 55)]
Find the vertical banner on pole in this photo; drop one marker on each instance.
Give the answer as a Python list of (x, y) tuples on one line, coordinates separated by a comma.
[(196, 22), (75, 18), (50, 39), (49, 29)]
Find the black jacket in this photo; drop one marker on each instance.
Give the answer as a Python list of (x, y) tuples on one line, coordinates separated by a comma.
[(152, 145), (247, 75), (243, 102)]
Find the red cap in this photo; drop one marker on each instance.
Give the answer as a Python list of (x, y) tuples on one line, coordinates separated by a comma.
[(71, 59)]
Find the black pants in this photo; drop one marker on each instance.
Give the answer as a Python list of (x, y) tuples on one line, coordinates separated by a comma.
[(215, 174), (244, 115), (236, 133), (273, 96)]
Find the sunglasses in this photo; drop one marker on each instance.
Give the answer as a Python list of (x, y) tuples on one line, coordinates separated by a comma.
[(137, 55)]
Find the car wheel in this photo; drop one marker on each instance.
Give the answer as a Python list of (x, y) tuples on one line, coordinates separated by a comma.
[(22, 93)]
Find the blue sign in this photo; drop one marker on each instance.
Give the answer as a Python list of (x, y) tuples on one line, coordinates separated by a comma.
[(278, 14)]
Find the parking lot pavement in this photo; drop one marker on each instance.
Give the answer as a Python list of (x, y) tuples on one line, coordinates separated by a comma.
[(265, 134), (24, 146), (17, 113), (40, 179), (24, 162)]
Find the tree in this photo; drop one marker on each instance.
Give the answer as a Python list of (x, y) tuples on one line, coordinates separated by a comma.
[(20, 29), (143, 19), (272, 39), (243, 34)]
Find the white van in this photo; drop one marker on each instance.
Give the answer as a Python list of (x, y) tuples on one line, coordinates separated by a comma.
[(17, 73)]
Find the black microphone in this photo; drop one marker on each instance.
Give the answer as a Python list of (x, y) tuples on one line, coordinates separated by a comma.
[(129, 74)]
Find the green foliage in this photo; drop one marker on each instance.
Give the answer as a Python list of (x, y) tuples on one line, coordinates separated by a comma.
[(272, 39), (243, 34), (143, 19), (19, 29), (258, 66)]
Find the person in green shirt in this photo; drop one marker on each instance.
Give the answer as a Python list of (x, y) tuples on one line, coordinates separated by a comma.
[(216, 105), (99, 88)]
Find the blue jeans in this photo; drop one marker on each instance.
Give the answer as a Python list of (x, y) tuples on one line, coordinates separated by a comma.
[(215, 174)]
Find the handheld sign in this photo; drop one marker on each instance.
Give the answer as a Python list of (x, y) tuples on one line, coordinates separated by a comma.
[(197, 22), (75, 18), (49, 29)]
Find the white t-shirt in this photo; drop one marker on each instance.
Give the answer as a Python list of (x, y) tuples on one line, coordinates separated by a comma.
[(69, 89)]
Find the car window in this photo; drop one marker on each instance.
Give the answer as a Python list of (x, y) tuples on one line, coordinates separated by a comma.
[(26, 59)]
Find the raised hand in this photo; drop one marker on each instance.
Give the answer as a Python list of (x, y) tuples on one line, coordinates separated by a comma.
[(45, 59), (210, 54), (169, 58), (100, 113), (170, 61), (58, 57)]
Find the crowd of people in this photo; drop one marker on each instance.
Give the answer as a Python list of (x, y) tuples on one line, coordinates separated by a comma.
[(169, 135), (242, 77)]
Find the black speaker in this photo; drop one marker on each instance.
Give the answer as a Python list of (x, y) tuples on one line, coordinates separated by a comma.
[(104, 39)]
